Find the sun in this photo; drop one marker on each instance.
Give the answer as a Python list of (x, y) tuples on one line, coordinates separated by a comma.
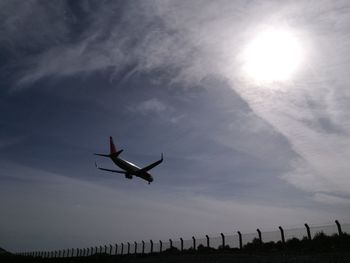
[(272, 56)]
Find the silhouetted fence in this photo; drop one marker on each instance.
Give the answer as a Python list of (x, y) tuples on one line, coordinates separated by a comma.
[(223, 241)]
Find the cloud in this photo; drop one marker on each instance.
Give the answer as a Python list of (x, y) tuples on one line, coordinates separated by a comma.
[(150, 106), (112, 41), (108, 214), (331, 200), (322, 146)]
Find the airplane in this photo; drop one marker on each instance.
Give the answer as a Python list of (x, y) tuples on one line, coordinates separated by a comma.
[(129, 169)]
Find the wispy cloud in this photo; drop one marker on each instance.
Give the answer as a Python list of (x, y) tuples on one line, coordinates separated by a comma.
[(331, 199), (150, 106)]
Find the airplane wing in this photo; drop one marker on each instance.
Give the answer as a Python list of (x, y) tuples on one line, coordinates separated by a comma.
[(109, 170), (152, 165)]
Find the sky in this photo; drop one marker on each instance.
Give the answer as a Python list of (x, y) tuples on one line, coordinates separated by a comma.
[(246, 143)]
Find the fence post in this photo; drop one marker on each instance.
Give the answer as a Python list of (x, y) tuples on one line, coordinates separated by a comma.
[(84, 252), (116, 249), (340, 232), (128, 248), (63, 253), (182, 244), (122, 249), (308, 231), (194, 243), (135, 247), (88, 252), (208, 241), (92, 251), (151, 246), (282, 234), (223, 240), (240, 240), (259, 233), (171, 243), (101, 249), (110, 249), (160, 246), (143, 247), (105, 249)]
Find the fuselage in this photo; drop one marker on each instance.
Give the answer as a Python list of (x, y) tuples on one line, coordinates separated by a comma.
[(131, 169)]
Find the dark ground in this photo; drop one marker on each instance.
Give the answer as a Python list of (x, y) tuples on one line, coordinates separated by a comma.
[(321, 249), (202, 258)]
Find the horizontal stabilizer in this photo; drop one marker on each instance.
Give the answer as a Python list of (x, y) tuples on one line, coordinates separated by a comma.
[(101, 154), (152, 165), (117, 153)]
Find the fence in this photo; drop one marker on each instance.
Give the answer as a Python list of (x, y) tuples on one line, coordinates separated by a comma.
[(224, 240)]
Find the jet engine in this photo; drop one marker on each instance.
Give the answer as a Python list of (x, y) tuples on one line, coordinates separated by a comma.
[(129, 176)]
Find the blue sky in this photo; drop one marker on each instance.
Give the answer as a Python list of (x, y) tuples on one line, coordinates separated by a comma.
[(165, 76)]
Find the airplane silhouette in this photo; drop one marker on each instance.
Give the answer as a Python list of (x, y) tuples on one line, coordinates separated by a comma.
[(129, 169)]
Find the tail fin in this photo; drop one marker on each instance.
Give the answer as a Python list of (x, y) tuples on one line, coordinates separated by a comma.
[(112, 146), (113, 151)]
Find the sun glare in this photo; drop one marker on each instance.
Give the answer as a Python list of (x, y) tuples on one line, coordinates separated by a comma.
[(272, 56)]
